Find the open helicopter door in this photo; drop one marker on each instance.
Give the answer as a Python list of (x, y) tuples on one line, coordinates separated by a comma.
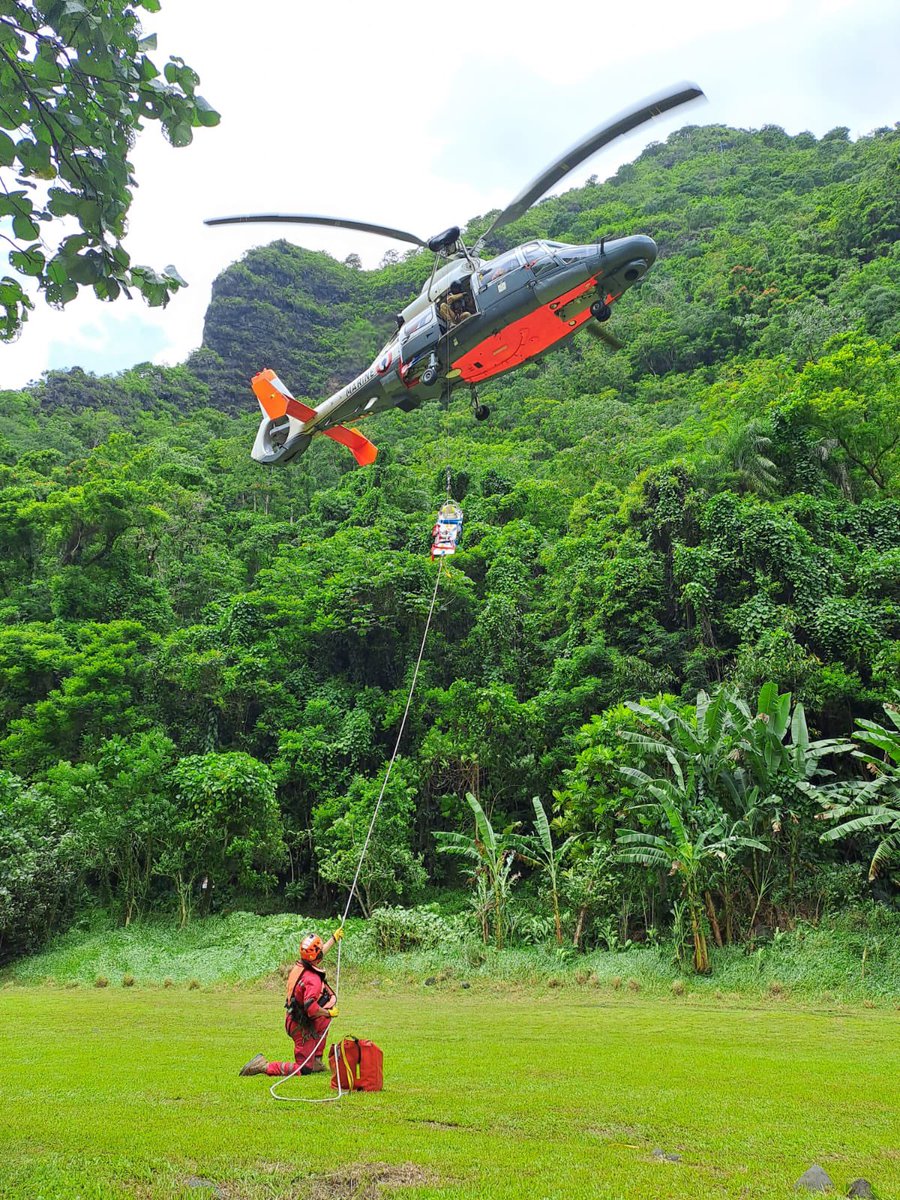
[(419, 339)]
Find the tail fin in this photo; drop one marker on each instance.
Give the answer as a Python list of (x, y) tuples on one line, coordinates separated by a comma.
[(276, 401)]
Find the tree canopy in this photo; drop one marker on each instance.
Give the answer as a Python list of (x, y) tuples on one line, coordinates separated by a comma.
[(712, 512)]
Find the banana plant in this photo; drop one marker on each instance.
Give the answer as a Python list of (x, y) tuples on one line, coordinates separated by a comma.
[(874, 806), (538, 850), (490, 857), (681, 848)]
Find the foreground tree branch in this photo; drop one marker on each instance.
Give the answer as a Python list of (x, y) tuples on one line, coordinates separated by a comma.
[(76, 87)]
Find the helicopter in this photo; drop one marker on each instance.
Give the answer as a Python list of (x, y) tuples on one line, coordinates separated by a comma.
[(474, 318)]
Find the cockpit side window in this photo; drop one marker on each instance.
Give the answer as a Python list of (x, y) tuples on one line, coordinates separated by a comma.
[(498, 268), (539, 257)]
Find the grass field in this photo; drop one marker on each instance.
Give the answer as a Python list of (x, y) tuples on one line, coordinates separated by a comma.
[(512, 1093)]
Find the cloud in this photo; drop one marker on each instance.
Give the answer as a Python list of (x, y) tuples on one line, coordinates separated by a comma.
[(108, 343)]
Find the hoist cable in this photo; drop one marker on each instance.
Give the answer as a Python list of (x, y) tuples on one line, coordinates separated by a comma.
[(320, 1041), (412, 688)]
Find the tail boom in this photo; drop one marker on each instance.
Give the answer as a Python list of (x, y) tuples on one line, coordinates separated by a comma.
[(277, 403)]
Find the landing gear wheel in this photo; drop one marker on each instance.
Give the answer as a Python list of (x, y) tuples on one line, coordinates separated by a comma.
[(429, 376), (481, 412), (600, 310)]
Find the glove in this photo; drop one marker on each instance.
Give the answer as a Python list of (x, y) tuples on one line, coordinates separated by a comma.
[(338, 933), (331, 1012)]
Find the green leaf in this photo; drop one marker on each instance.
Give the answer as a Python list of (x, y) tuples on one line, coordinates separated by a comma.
[(7, 150), (86, 268), (180, 134), (170, 274), (25, 229), (28, 262), (542, 825), (206, 115), (56, 271), (10, 292)]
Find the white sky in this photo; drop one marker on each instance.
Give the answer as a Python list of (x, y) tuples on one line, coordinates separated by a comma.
[(423, 115)]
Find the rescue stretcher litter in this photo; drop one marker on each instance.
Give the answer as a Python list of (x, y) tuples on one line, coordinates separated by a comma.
[(447, 529)]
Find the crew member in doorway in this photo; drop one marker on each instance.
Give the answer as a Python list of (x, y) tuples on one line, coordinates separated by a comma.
[(310, 1005), (453, 309)]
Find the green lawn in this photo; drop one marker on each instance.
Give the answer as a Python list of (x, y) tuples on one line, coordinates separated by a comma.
[(555, 1093)]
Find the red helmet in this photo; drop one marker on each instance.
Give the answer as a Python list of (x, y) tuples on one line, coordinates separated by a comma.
[(311, 949)]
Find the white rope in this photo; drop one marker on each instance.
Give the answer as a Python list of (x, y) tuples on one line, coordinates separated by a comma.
[(314, 1053), (412, 688)]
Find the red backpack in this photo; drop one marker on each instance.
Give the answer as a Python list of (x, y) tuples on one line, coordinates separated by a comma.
[(357, 1065)]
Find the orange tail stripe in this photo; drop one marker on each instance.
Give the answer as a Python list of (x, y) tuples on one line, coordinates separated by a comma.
[(276, 401), (358, 445)]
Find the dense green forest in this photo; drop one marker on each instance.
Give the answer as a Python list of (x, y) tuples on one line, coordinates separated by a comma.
[(673, 617)]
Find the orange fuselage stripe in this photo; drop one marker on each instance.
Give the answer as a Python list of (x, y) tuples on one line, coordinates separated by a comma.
[(523, 339)]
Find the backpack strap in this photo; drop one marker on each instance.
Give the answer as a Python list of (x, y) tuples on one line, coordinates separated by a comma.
[(351, 1076)]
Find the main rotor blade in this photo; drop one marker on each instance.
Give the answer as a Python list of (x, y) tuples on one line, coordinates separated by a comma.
[(602, 335), (624, 122), (399, 235)]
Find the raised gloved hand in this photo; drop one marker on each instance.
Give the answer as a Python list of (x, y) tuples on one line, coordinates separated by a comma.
[(338, 933)]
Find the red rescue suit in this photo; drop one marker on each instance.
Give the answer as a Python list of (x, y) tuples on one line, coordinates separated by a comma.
[(307, 1017)]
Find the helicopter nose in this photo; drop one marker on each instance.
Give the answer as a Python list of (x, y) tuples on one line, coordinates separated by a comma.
[(637, 255), (643, 247), (626, 260)]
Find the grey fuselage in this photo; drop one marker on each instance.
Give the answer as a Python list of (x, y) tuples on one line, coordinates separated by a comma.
[(518, 306)]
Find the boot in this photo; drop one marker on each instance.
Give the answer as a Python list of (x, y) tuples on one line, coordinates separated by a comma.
[(316, 1065), (256, 1066)]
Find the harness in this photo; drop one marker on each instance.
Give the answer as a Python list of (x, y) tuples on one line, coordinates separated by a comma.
[(297, 1010)]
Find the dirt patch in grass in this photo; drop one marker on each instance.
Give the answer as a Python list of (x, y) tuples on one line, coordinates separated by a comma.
[(365, 1181), (429, 1123)]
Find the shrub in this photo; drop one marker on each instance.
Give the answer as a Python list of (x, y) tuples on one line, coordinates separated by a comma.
[(777, 989), (101, 981), (678, 987), (616, 982), (193, 985), (127, 980), (633, 985), (168, 982), (397, 929), (40, 862)]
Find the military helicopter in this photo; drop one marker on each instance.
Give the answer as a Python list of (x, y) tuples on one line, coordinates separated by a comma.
[(474, 319)]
